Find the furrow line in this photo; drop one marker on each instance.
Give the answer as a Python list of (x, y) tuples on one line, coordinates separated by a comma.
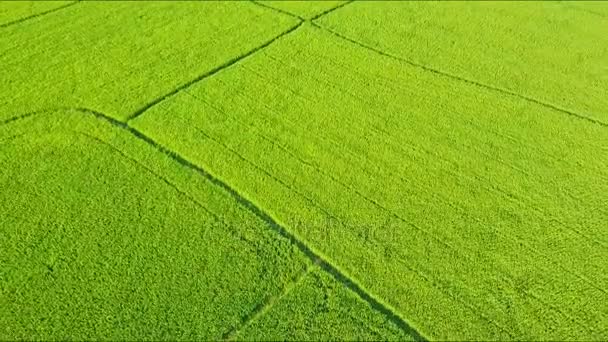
[(209, 73), (37, 15), (462, 79), (310, 200), (24, 116)]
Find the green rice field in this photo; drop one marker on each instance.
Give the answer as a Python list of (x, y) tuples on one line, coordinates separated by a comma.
[(303, 170)]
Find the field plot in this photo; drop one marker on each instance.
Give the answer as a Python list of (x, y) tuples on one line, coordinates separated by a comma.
[(529, 48), (323, 170), (434, 193), (119, 57), (14, 12), (96, 243)]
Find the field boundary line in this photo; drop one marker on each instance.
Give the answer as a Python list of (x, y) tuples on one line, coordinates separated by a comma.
[(296, 16), (210, 73), (278, 10), (376, 304), (461, 79), (311, 201), (37, 15), (303, 247), (27, 115), (154, 173), (267, 304), (331, 10)]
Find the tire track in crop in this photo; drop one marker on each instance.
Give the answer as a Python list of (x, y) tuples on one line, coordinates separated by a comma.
[(233, 231), (26, 115), (315, 168), (419, 273), (461, 79), (314, 256), (137, 163), (259, 168), (490, 187), (37, 15), (210, 73), (586, 10), (268, 174), (262, 307), (306, 250), (497, 189)]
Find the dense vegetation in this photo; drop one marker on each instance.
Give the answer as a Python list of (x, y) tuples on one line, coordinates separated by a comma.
[(303, 170)]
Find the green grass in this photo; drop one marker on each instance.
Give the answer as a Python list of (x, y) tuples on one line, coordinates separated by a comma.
[(242, 171)]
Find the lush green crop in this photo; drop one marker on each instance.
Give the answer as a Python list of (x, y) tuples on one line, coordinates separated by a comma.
[(303, 170), (444, 198)]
